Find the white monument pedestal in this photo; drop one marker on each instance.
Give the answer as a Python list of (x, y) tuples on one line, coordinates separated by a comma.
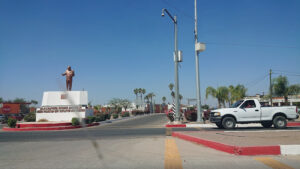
[(64, 105)]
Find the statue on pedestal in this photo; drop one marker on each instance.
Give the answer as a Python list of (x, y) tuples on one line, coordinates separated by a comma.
[(69, 73)]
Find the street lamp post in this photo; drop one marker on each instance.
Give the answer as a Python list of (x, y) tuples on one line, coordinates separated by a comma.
[(177, 106)]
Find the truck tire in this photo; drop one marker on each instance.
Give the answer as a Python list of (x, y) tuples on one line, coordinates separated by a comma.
[(267, 124), (279, 122), (220, 126), (228, 123)]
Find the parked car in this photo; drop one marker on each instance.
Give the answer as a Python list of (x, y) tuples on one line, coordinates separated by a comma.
[(251, 111)]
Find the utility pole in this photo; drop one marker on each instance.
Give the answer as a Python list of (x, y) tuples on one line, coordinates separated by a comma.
[(177, 58), (199, 47), (271, 93)]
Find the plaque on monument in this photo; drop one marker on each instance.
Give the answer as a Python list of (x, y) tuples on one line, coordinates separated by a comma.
[(63, 106)]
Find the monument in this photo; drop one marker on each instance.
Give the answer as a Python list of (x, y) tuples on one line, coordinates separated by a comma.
[(64, 105)]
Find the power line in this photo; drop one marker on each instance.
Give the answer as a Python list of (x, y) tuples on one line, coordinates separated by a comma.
[(256, 81)]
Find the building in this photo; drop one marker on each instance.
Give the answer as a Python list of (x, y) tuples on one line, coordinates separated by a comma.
[(277, 101)]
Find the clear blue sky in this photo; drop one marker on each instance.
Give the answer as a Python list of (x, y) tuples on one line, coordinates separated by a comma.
[(116, 46)]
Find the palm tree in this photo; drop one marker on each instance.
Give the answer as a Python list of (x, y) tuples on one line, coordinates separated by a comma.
[(281, 88), (136, 91), (173, 95), (171, 86), (164, 99), (146, 98), (143, 92), (221, 94), (180, 97), (236, 93)]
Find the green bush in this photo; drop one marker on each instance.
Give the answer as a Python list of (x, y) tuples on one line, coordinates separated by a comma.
[(30, 117), (75, 121), (91, 119), (115, 115), (107, 116), (125, 114), (11, 122), (100, 117)]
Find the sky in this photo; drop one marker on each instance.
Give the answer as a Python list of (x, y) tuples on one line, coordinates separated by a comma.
[(116, 46)]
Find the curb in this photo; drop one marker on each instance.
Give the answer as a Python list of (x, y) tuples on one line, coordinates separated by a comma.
[(47, 128), (243, 150), (289, 124)]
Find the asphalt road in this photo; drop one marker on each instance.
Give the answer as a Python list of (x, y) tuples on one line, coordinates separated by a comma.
[(143, 126), (132, 143)]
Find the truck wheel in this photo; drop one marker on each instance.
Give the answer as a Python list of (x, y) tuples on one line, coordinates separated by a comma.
[(220, 126), (279, 122), (267, 124), (228, 123)]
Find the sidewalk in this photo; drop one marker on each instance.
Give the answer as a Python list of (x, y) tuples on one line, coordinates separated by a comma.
[(257, 142)]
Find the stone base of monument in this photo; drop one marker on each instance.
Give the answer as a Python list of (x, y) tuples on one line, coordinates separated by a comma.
[(62, 106), (43, 126)]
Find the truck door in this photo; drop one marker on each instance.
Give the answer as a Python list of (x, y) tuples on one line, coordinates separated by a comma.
[(249, 111)]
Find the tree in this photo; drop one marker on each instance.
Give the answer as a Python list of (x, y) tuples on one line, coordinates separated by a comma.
[(34, 102), (143, 92), (221, 94), (205, 106), (146, 98), (180, 97), (136, 91), (23, 106), (115, 103), (173, 95), (171, 86), (164, 99), (1, 100), (125, 103), (281, 88), (236, 93)]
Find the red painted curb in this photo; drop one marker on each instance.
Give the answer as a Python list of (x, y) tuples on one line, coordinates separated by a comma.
[(47, 128), (175, 125), (255, 150), (23, 125), (293, 124)]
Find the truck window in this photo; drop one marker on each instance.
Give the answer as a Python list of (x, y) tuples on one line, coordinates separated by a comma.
[(248, 104)]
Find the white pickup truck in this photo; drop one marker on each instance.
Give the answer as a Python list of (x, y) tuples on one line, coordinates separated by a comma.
[(251, 111)]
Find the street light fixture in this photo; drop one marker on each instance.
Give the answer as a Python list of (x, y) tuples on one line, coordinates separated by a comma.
[(177, 106)]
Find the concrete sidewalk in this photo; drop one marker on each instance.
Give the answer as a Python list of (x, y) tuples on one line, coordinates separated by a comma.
[(259, 142)]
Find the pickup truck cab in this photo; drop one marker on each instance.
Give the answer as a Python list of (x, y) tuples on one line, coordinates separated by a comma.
[(251, 111)]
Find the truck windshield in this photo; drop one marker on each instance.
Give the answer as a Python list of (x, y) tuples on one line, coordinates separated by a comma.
[(236, 104)]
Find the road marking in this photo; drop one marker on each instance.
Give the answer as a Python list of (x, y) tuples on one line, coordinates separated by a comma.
[(272, 163), (260, 131), (172, 156)]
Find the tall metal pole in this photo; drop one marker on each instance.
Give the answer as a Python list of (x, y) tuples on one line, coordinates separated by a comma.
[(271, 92), (177, 106), (199, 115)]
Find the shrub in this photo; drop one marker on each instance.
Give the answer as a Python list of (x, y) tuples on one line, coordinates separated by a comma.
[(125, 114), (92, 119), (115, 115), (75, 121), (43, 120), (30, 117), (107, 116), (100, 117), (11, 122)]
